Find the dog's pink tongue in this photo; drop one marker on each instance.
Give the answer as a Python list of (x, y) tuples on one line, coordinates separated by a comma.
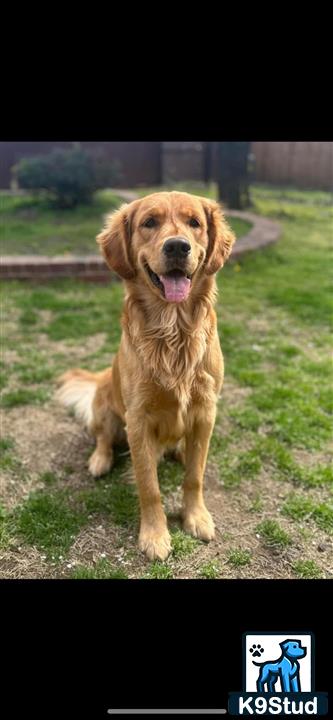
[(176, 289)]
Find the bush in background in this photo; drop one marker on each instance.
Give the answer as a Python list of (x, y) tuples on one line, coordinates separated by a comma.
[(65, 177)]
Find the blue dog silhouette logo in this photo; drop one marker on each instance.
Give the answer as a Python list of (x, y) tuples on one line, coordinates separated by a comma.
[(286, 668), (278, 676), (278, 663)]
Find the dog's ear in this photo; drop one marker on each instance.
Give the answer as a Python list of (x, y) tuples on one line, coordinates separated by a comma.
[(114, 241), (221, 237)]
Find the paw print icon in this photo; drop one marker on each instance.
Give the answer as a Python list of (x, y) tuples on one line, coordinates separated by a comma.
[(256, 650)]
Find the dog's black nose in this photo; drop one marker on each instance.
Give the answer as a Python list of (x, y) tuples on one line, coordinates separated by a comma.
[(176, 247)]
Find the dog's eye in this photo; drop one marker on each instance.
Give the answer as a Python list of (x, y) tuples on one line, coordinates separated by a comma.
[(194, 222), (150, 223)]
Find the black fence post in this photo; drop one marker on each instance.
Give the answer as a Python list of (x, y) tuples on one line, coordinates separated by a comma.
[(207, 162), (233, 173)]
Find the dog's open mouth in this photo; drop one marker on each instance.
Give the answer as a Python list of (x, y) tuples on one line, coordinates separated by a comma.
[(175, 285)]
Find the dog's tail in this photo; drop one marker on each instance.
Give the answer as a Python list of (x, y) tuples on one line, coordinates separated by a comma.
[(77, 390)]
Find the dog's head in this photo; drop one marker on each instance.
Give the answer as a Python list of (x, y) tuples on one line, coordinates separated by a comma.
[(293, 649), (167, 240)]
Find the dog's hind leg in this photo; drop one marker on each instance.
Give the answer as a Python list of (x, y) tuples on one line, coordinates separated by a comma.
[(271, 683), (264, 677), (260, 686), (106, 426)]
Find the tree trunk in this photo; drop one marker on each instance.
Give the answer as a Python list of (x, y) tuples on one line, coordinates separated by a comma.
[(233, 175)]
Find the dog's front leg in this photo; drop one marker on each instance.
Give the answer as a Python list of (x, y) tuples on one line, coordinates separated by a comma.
[(196, 519), (285, 681), (154, 537), (295, 684)]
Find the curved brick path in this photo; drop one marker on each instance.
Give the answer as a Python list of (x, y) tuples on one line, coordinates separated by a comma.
[(93, 267)]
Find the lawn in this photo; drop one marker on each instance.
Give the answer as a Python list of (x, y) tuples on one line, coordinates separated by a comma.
[(269, 482), (29, 226)]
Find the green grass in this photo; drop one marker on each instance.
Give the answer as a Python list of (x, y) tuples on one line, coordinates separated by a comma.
[(9, 460), (307, 569), (33, 375), (5, 534), (302, 507), (28, 317), (49, 478), (117, 499), (6, 444), (271, 445), (239, 557), (103, 570), (182, 544), (48, 522), (210, 570), (29, 226), (158, 571), (239, 226), (256, 505), (170, 475), (273, 535), (7, 456), (50, 519), (23, 396)]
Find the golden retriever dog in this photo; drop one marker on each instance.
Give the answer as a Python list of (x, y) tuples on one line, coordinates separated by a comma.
[(166, 377)]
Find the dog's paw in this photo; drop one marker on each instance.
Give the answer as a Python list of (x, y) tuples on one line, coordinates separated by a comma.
[(100, 464), (199, 523), (256, 650), (156, 545)]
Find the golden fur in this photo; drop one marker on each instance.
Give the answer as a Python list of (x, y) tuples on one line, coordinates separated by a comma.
[(162, 389)]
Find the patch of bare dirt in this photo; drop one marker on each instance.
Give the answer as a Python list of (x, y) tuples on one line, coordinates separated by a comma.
[(25, 562), (48, 439), (311, 459), (9, 356), (90, 344), (233, 394), (259, 324)]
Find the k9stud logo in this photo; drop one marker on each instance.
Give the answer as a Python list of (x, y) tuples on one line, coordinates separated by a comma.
[(278, 676)]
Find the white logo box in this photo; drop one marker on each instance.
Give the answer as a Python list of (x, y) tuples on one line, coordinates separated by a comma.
[(272, 652)]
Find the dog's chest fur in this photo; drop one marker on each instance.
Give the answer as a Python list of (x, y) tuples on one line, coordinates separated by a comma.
[(171, 345)]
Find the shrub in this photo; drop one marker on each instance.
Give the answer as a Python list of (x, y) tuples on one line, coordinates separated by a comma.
[(65, 177)]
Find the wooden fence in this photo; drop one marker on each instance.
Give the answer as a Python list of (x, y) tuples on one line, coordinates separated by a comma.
[(303, 164)]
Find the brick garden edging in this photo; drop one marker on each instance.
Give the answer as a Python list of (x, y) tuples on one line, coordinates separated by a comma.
[(94, 269), (264, 232)]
